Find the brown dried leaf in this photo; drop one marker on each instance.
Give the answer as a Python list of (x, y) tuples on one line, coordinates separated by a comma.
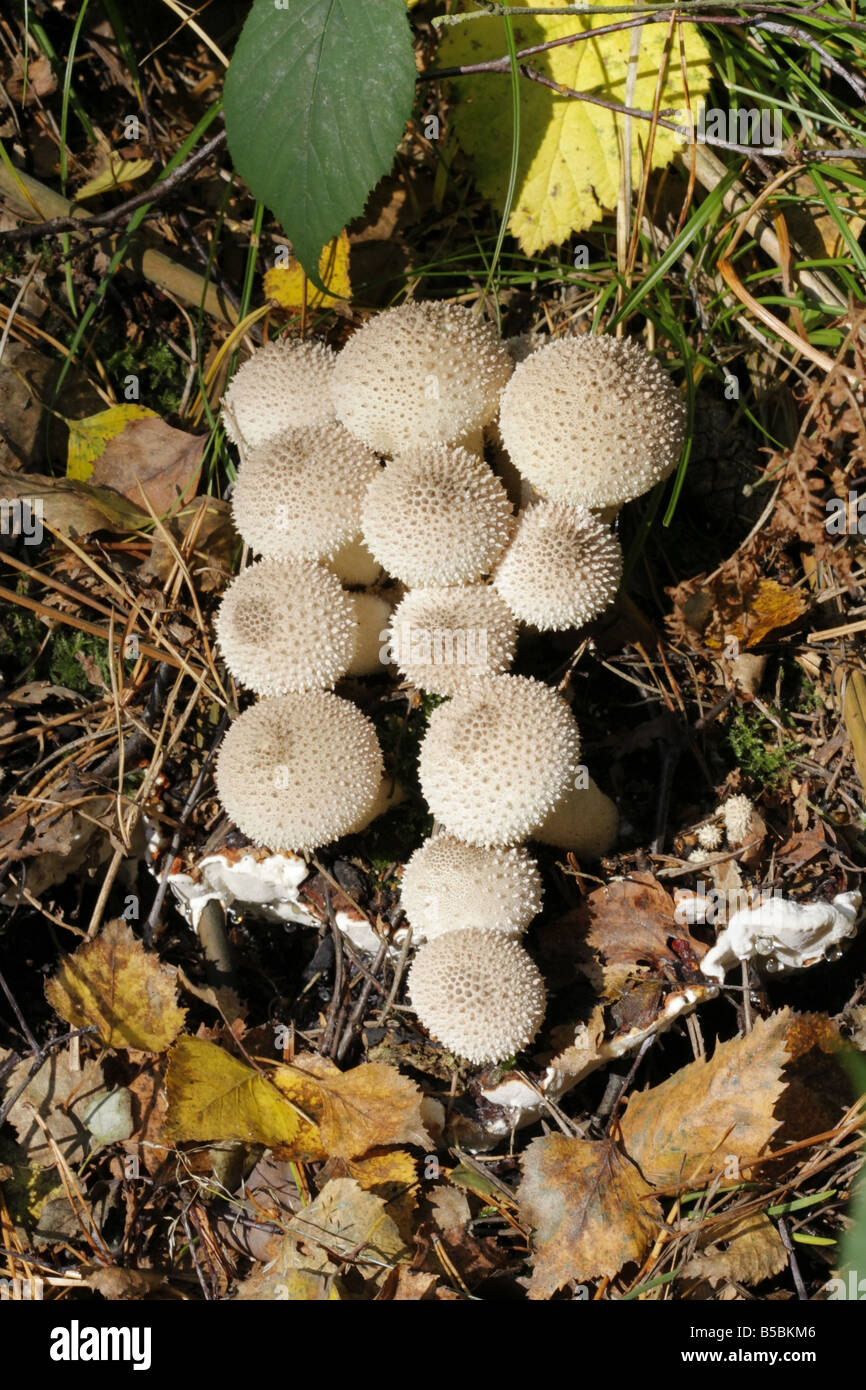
[(154, 458), (634, 929), (753, 1251), (291, 1275), (125, 991), (586, 1203), (733, 1105), (62, 1096), (73, 508), (370, 1107), (348, 1222)]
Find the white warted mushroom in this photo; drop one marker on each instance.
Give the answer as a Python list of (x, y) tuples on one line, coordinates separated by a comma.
[(561, 569), (284, 385), (295, 772), (497, 757), (286, 625), (737, 812), (441, 639), (584, 821), (298, 495), (448, 885), (592, 420), (436, 515), (783, 935), (424, 371), (478, 993)]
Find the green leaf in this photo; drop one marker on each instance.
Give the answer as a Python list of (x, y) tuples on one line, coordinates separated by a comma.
[(316, 99)]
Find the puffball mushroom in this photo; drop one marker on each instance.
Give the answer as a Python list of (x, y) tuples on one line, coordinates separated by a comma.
[(561, 569), (422, 371), (299, 494), (478, 993), (286, 625), (497, 757), (283, 385), (592, 420), (448, 885), (441, 639), (584, 821), (435, 516), (295, 772)]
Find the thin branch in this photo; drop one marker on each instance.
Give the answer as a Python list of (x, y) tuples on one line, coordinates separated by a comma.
[(155, 194)]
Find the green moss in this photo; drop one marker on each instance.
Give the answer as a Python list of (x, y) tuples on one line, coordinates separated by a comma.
[(63, 666), (753, 740)]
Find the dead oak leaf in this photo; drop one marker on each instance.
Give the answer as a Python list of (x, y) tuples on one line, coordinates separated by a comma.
[(586, 1203), (125, 991)]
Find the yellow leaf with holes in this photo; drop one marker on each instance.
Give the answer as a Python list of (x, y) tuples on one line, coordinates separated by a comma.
[(126, 991), (285, 284), (88, 437), (569, 162), (116, 171)]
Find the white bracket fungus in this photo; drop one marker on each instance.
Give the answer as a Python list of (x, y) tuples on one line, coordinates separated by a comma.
[(784, 935)]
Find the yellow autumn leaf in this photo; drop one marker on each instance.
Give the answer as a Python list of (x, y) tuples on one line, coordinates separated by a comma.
[(213, 1097), (89, 436), (116, 171), (285, 284), (126, 991), (569, 162), (772, 606)]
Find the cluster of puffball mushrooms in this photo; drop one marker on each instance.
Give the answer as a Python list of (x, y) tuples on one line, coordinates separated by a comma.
[(371, 460)]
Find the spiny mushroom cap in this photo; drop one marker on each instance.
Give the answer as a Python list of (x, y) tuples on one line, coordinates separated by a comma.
[(562, 568), (496, 758), (478, 993), (584, 821), (298, 495), (283, 385), (297, 771), (592, 420), (448, 885), (423, 371), (436, 515), (442, 639), (286, 625)]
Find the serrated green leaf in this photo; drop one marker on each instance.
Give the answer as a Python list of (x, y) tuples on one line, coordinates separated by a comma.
[(316, 99)]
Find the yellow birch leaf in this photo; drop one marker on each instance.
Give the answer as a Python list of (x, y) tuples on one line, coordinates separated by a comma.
[(213, 1097), (117, 171), (285, 284), (372, 1106), (88, 437), (569, 162), (126, 991)]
